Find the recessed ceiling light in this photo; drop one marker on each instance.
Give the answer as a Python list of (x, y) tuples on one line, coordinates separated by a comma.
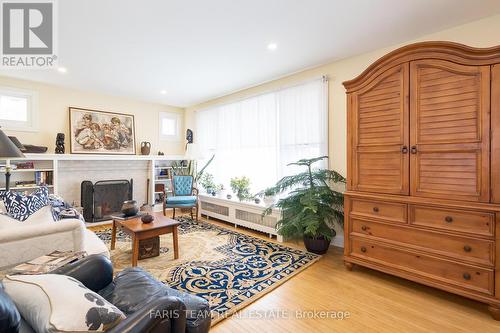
[(62, 69), (163, 92), (272, 46)]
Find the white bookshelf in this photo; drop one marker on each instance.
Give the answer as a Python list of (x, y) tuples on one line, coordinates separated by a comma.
[(163, 172), (28, 176)]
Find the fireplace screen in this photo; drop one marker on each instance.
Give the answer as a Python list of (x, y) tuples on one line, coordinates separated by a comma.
[(104, 198)]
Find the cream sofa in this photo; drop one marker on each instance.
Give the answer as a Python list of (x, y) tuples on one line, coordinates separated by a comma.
[(40, 234)]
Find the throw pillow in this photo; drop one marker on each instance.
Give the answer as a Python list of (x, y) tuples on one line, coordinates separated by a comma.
[(59, 303), (20, 206), (63, 210)]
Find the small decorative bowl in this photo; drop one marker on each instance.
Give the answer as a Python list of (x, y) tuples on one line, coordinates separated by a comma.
[(147, 218), (130, 208)]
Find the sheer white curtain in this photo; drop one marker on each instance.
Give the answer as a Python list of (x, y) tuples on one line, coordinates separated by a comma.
[(303, 125), (258, 136)]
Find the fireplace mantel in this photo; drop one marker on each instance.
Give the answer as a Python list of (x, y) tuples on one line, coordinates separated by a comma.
[(98, 157)]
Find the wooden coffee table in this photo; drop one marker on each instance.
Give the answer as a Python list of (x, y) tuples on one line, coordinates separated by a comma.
[(139, 231)]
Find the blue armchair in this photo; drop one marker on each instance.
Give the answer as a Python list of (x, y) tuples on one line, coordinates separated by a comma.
[(184, 195)]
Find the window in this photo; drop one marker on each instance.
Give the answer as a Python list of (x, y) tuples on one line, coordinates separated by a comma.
[(18, 109), (169, 126), (257, 137)]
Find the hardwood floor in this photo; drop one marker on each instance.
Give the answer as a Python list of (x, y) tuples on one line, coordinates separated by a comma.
[(375, 302)]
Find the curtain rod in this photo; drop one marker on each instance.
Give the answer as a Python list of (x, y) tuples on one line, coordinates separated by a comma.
[(324, 78)]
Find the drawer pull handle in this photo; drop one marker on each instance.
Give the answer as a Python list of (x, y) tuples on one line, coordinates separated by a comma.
[(448, 219), (375, 209), (413, 149), (467, 248), (404, 150), (466, 276), (363, 249), (364, 228)]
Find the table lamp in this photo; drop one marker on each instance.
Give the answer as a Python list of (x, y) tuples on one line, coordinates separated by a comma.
[(8, 151)]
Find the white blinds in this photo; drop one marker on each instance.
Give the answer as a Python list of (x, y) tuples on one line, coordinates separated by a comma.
[(257, 137)]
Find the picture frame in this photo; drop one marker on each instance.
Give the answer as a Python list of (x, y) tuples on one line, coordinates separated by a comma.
[(101, 132)]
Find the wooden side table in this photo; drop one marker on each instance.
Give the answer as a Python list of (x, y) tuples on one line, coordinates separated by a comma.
[(139, 231)]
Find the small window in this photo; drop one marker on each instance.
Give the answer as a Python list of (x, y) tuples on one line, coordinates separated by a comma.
[(170, 126), (18, 109)]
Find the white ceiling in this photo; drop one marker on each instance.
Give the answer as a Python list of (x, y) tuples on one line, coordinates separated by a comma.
[(196, 50)]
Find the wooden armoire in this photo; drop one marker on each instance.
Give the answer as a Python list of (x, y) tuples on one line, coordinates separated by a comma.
[(423, 179)]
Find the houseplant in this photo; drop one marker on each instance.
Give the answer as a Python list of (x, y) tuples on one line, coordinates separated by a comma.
[(312, 208), (269, 196), (241, 187), (220, 191), (207, 182)]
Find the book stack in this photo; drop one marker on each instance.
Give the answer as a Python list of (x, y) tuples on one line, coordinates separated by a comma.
[(44, 177)]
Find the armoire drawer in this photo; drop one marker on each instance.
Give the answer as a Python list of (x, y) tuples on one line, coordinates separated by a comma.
[(394, 212), (475, 251), (471, 222), (465, 276)]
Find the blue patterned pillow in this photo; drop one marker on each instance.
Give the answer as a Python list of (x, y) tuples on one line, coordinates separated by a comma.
[(63, 210), (20, 206)]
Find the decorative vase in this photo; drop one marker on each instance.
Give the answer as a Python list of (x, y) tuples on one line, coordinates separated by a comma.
[(257, 200), (229, 196), (318, 245), (130, 208), (145, 148), (147, 218)]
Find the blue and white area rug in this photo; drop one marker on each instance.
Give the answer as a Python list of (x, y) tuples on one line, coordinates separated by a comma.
[(228, 268)]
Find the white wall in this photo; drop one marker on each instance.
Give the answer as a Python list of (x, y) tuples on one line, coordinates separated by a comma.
[(53, 103)]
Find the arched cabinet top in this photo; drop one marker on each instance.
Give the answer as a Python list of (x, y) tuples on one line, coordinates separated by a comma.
[(454, 52)]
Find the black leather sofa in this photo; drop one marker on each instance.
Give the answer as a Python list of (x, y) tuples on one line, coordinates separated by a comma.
[(150, 305)]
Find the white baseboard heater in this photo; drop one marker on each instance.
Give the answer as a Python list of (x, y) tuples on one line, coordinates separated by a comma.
[(245, 214)]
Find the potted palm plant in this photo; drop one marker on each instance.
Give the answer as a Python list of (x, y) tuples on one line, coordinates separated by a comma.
[(312, 207)]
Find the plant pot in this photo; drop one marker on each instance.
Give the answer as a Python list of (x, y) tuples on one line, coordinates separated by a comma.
[(318, 245), (269, 200)]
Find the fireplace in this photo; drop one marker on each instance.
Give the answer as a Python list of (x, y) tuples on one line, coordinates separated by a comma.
[(104, 198)]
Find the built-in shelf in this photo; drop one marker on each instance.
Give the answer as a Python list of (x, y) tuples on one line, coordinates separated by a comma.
[(169, 167), (27, 187), (26, 170)]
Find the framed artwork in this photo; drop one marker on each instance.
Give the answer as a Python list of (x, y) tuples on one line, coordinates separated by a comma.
[(100, 132)]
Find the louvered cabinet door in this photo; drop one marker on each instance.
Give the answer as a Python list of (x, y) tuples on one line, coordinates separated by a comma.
[(379, 134), (449, 117)]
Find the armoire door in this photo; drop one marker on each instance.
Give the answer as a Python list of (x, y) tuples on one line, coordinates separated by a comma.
[(449, 121), (379, 134)]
